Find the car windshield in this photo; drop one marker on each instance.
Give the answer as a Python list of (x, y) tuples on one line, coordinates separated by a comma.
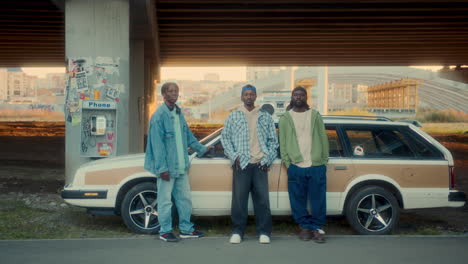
[(207, 139), (211, 136)]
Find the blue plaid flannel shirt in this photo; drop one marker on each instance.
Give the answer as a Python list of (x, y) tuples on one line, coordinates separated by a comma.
[(235, 138)]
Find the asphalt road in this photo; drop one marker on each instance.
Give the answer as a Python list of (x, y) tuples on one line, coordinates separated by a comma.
[(286, 250)]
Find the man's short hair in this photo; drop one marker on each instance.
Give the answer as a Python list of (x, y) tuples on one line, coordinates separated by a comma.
[(166, 86)]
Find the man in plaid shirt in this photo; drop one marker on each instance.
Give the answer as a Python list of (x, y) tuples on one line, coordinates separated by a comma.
[(250, 142)]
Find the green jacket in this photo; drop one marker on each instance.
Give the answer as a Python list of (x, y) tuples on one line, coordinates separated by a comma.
[(289, 147)]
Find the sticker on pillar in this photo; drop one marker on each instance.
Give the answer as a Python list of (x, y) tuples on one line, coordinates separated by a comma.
[(83, 64), (73, 107), (110, 124), (81, 81), (73, 112), (73, 85), (109, 65), (113, 92), (75, 119), (101, 77), (105, 148), (110, 135), (96, 94)]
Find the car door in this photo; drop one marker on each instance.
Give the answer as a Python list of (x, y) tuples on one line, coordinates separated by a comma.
[(211, 182)]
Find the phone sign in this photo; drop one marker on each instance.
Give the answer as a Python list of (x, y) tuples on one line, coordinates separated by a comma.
[(99, 105)]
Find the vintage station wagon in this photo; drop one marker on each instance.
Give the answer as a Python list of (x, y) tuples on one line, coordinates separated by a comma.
[(377, 167)]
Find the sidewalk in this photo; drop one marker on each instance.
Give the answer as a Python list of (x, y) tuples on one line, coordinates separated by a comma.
[(285, 250)]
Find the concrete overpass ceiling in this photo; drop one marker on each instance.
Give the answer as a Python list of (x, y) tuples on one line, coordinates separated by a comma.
[(32, 33), (264, 32), (295, 32)]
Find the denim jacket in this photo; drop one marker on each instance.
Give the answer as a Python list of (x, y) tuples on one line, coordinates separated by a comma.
[(161, 150)]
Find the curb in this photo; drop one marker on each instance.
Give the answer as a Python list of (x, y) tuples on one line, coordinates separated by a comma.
[(151, 237)]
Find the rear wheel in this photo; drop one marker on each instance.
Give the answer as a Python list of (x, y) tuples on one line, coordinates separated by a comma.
[(372, 210), (139, 209)]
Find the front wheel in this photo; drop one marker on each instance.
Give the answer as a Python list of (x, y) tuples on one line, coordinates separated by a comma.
[(139, 209), (372, 210)]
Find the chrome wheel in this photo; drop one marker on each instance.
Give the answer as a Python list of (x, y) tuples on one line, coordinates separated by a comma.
[(374, 212), (143, 211)]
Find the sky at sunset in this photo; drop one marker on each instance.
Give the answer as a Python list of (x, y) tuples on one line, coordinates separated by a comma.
[(42, 71), (187, 73), (168, 73)]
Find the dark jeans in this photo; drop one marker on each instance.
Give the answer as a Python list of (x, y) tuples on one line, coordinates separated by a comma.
[(308, 184), (254, 180)]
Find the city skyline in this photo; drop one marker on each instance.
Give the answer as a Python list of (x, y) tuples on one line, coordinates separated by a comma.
[(168, 73), (189, 73)]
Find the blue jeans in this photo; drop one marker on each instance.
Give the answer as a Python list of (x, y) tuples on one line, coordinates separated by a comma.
[(308, 184), (179, 189)]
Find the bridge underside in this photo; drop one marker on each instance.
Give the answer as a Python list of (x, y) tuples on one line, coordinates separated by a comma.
[(275, 32)]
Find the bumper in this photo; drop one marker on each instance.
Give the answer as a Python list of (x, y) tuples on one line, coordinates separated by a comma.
[(457, 197), (78, 194)]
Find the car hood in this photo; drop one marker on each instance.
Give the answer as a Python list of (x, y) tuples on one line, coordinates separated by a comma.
[(118, 160)]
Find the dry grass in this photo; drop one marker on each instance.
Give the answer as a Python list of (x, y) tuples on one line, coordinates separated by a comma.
[(30, 115), (19, 221), (439, 116), (445, 128)]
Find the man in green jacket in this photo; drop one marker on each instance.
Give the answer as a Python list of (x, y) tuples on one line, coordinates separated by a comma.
[(304, 151)]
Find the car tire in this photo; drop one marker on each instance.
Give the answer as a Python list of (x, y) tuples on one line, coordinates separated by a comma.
[(139, 209), (372, 210)]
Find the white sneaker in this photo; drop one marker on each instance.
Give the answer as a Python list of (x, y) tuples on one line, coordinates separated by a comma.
[(321, 231), (235, 239), (264, 239)]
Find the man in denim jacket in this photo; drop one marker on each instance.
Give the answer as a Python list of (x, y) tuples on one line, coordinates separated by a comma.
[(250, 142), (167, 158)]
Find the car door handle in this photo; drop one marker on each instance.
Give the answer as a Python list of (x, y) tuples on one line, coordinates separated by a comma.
[(341, 167)]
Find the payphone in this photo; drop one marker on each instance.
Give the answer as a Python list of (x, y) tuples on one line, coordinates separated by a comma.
[(98, 128)]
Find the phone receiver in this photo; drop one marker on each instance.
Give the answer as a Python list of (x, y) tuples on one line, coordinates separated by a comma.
[(93, 124)]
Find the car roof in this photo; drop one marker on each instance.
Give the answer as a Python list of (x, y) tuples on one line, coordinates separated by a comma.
[(364, 122)]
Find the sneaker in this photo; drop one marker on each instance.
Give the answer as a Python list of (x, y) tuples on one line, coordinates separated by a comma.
[(305, 234), (235, 239), (169, 237), (264, 239), (194, 234), (321, 231), (318, 237)]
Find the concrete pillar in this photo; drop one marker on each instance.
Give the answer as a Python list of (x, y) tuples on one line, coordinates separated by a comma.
[(289, 78), (99, 29), (136, 109), (150, 97), (322, 89), (292, 78)]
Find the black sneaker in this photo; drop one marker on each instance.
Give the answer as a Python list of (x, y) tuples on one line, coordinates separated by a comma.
[(195, 234), (169, 237)]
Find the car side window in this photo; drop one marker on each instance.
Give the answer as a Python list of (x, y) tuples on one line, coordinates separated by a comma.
[(378, 143), (336, 148), (423, 149)]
